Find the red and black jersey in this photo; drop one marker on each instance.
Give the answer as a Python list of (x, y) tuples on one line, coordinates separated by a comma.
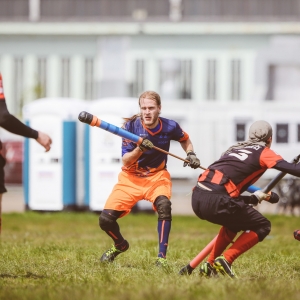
[(237, 169)]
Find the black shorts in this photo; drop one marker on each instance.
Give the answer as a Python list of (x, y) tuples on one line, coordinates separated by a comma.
[(232, 213), (2, 185)]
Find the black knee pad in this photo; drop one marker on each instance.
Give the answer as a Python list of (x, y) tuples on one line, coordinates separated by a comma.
[(163, 207), (264, 230), (107, 222)]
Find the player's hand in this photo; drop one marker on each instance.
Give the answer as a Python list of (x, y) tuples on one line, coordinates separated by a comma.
[(44, 140), (146, 145), (271, 197), (194, 161)]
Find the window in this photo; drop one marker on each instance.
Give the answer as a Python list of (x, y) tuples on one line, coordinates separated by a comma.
[(175, 78), (211, 71), (282, 133), (235, 80), (283, 82), (18, 85), (186, 79), (65, 79), (240, 133), (41, 86), (89, 92), (139, 73), (298, 131)]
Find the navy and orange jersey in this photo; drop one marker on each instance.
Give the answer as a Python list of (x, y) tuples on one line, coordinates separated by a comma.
[(237, 169), (152, 160)]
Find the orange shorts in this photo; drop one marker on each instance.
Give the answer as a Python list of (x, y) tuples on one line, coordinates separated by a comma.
[(130, 189)]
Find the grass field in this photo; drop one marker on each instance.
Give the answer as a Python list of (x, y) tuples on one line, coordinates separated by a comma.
[(56, 256)]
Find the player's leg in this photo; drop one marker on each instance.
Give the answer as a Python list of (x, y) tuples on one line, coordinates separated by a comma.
[(108, 223), (225, 237), (163, 208), (159, 194), (123, 197), (255, 226)]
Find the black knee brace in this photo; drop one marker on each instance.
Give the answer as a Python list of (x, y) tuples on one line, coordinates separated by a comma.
[(107, 222), (264, 230), (163, 207)]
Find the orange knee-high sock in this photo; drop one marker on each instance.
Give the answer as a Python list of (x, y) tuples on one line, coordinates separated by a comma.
[(225, 237), (243, 243)]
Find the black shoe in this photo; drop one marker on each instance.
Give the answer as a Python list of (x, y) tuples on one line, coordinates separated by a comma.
[(113, 252), (207, 270), (224, 267), (186, 270)]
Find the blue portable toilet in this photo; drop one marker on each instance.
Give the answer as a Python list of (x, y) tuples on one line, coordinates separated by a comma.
[(50, 179)]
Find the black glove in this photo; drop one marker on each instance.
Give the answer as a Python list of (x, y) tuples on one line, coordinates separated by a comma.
[(194, 162), (274, 198), (146, 145), (250, 199)]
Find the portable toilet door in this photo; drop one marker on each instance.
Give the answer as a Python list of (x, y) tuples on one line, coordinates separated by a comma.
[(50, 177), (103, 152)]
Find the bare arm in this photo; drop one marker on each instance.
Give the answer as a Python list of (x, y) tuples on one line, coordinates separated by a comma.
[(187, 145), (194, 162), (131, 157)]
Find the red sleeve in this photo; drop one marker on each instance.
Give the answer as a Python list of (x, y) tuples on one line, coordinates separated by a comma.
[(269, 158)]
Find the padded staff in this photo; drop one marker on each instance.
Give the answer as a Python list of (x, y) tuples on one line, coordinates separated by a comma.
[(92, 120)]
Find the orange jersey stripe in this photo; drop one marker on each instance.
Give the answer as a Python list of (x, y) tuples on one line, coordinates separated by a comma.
[(217, 177), (185, 137), (162, 231), (269, 158)]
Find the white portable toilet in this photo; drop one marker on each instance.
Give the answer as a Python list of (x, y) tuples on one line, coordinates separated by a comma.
[(50, 179), (103, 152)]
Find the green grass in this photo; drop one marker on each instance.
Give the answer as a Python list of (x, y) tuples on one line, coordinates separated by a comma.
[(56, 256)]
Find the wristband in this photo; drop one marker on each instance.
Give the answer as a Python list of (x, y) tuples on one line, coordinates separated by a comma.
[(190, 153)]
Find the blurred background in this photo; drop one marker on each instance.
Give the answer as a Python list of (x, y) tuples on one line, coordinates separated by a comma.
[(218, 65)]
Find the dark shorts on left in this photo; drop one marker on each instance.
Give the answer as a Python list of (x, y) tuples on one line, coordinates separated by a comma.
[(2, 185)]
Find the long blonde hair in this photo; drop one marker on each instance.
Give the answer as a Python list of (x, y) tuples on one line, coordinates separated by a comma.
[(149, 95)]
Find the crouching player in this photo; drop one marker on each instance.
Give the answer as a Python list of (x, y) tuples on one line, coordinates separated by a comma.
[(216, 197), (144, 175)]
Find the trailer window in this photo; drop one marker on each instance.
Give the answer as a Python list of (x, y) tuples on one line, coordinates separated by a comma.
[(282, 133)]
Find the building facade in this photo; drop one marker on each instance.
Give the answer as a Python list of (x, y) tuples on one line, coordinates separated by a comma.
[(197, 53)]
